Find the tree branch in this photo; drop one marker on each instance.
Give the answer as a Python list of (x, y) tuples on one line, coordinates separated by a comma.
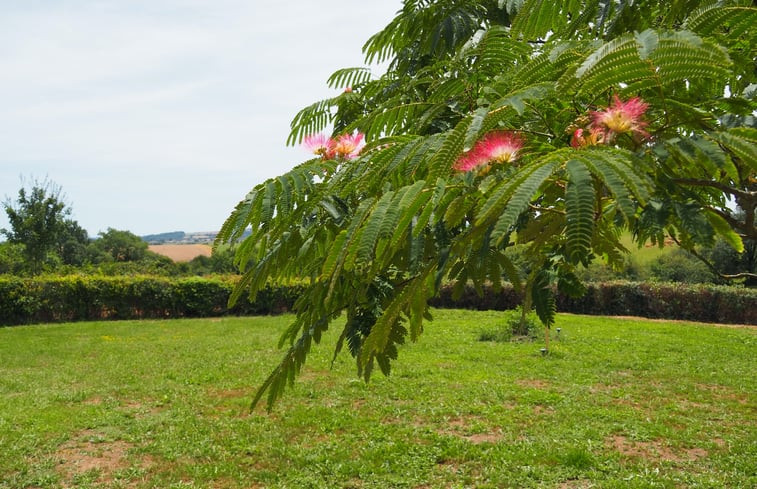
[(712, 267), (720, 186)]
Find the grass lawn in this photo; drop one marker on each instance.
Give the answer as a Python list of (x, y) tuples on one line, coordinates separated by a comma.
[(164, 404)]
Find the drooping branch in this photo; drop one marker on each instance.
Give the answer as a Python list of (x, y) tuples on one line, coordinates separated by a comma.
[(712, 268), (746, 200), (743, 194)]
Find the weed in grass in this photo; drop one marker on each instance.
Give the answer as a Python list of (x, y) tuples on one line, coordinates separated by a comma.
[(512, 326), (578, 458)]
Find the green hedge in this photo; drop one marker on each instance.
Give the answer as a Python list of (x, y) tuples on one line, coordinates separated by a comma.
[(692, 302), (80, 298)]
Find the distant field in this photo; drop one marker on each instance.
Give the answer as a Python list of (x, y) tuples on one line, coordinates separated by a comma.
[(164, 404), (181, 252), (647, 253)]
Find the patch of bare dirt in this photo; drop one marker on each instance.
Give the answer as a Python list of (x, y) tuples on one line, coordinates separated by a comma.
[(576, 484), (139, 409), (321, 376), (653, 450), (461, 428), (86, 452), (229, 393), (721, 443), (636, 405), (723, 393), (539, 409), (479, 438), (532, 383)]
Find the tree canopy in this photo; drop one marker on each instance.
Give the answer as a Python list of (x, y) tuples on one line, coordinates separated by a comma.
[(39, 222), (553, 124)]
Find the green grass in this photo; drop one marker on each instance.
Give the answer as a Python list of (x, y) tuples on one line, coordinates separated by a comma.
[(646, 254), (164, 404)]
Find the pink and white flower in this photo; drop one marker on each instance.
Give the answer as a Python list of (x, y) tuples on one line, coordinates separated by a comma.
[(500, 146), (319, 144), (580, 139), (622, 117), (494, 147), (349, 146)]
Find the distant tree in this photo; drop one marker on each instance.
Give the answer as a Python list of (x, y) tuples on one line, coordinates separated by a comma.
[(11, 258), (38, 221), (727, 261), (73, 244), (121, 246), (681, 266), (222, 261)]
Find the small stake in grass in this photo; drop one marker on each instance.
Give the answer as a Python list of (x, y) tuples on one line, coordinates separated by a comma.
[(558, 333), (544, 351)]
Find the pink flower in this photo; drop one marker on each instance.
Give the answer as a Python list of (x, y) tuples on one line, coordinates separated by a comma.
[(622, 117), (500, 146), (319, 144), (494, 147), (468, 161), (596, 136), (349, 146)]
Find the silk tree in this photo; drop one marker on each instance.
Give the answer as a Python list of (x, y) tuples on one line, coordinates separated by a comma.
[(554, 124)]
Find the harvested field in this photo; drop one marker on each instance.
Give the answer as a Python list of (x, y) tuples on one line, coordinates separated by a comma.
[(181, 252)]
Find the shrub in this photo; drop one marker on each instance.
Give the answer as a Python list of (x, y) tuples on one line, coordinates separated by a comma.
[(78, 298), (680, 266), (511, 326)]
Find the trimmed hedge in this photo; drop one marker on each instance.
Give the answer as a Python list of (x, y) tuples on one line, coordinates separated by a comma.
[(86, 298), (691, 302)]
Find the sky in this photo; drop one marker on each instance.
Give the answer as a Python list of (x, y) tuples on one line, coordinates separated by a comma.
[(160, 115)]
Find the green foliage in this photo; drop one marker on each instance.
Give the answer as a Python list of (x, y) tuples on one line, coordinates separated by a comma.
[(513, 325), (11, 258), (38, 222), (122, 246), (728, 261), (95, 297), (401, 214), (73, 244), (681, 266), (705, 303)]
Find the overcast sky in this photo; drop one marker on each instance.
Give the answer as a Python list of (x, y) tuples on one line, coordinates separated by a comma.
[(160, 115)]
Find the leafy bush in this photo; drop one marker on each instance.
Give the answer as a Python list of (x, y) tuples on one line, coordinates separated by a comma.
[(680, 266), (79, 298), (598, 271), (705, 303), (511, 327)]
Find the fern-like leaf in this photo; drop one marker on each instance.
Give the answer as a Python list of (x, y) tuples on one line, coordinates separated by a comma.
[(349, 77), (579, 209), (742, 142), (732, 21), (544, 297)]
